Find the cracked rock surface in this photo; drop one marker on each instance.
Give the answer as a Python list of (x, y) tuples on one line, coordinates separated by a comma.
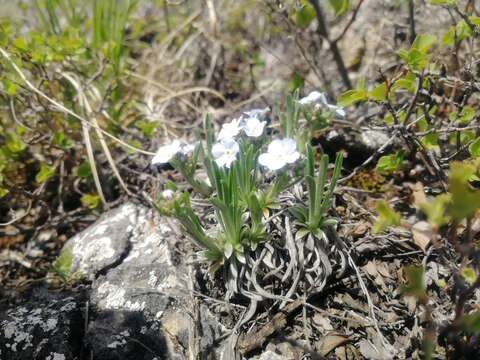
[(139, 304), (135, 298), (47, 327)]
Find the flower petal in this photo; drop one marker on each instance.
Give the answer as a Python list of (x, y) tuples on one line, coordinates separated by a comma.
[(275, 147), (166, 152), (187, 148), (258, 113), (230, 130), (315, 97), (271, 161), (288, 146), (253, 127), (217, 150), (291, 157), (339, 111)]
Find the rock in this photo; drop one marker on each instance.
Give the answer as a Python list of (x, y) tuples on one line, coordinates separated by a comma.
[(140, 299), (136, 298), (269, 355), (104, 243), (287, 350), (46, 326), (140, 304), (374, 139)]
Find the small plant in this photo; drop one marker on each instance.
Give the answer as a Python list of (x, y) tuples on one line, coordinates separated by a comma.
[(248, 178)]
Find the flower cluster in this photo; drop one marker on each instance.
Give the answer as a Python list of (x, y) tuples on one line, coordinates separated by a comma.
[(240, 196), (280, 152), (251, 123)]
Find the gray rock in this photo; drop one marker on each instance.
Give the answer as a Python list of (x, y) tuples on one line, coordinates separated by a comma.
[(374, 139), (140, 298), (270, 355), (47, 326), (140, 304), (104, 243)]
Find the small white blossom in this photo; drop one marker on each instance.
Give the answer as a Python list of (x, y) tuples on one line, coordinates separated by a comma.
[(168, 194), (230, 130), (337, 110), (187, 149), (257, 113), (315, 97), (225, 152), (279, 153), (319, 100), (253, 127), (166, 152)]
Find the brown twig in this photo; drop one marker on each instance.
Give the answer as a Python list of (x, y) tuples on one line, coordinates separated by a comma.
[(350, 22), (279, 321), (411, 20), (337, 56)]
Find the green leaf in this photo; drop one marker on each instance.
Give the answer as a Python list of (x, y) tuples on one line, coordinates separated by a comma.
[(390, 163), (350, 97), (45, 173), (430, 141), (436, 209), (296, 82), (339, 6), (466, 136), (378, 93), (10, 87), (304, 15), (147, 127), (474, 148), (471, 322), (91, 201), (416, 57), (469, 275), (424, 42), (458, 32), (14, 145), (468, 114), (407, 82), (60, 140), (465, 199), (84, 170), (20, 44), (415, 286), (443, 2), (386, 217), (63, 264)]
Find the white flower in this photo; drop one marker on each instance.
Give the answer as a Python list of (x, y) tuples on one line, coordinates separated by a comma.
[(253, 127), (225, 152), (279, 153), (339, 111), (258, 113), (315, 97), (166, 152), (230, 130), (319, 100), (168, 194), (187, 149)]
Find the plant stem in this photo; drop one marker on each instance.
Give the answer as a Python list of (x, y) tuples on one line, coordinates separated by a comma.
[(411, 20), (337, 56)]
